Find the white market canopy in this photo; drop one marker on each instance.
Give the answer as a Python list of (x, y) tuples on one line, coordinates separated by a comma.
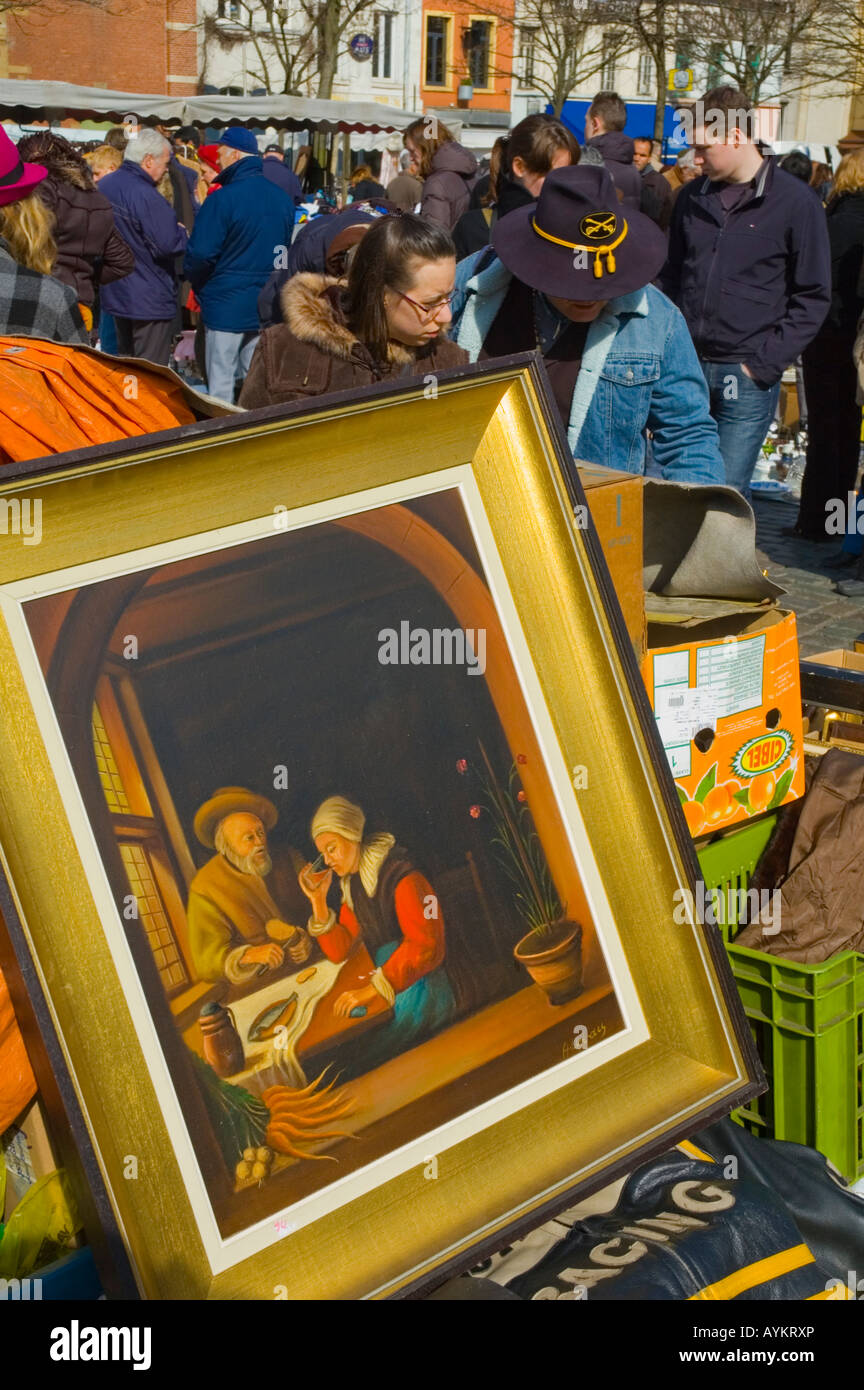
[(25, 101)]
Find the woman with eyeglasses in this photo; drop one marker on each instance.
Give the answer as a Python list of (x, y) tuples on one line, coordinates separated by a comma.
[(388, 320)]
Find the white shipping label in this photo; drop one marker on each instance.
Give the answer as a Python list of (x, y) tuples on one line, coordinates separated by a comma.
[(732, 672), (682, 712), (672, 668)]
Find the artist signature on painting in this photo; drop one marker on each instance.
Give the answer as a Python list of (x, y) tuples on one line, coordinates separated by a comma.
[(583, 1040)]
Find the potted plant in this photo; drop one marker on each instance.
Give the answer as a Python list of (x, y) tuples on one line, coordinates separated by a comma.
[(551, 951)]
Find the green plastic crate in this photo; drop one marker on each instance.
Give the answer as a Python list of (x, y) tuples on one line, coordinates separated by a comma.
[(807, 1022), (727, 864)]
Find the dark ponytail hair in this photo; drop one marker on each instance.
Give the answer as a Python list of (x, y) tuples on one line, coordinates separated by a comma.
[(535, 141), (385, 260)]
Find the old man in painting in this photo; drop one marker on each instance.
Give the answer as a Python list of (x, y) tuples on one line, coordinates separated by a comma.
[(389, 905), (233, 917)]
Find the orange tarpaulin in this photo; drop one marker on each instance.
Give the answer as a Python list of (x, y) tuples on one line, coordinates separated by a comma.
[(55, 397), (17, 1083)]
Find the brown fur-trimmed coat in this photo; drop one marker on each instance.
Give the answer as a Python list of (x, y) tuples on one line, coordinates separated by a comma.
[(314, 351)]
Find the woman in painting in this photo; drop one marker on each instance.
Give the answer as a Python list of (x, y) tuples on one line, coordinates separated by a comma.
[(388, 321), (393, 909)]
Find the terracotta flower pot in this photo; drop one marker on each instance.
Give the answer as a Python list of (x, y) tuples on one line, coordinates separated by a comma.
[(553, 959)]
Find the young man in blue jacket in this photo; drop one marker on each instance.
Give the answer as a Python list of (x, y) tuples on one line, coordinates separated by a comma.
[(241, 234), (570, 276), (144, 303), (750, 268)]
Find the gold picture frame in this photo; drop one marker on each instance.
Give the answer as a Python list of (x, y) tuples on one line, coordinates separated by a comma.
[(678, 1052)]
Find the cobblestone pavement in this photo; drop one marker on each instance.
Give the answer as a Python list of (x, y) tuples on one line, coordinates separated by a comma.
[(825, 618)]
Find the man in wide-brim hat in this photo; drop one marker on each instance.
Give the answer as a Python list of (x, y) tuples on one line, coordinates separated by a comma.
[(570, 276), (233, 915)]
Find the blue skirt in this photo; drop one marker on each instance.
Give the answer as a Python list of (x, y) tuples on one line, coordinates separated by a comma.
[(421, 1010)]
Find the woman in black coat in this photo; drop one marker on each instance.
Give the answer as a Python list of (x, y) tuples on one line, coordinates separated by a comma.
[(90, 250), (830, 378)]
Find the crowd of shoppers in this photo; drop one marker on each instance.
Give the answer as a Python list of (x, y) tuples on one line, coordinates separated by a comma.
[(665, 301)]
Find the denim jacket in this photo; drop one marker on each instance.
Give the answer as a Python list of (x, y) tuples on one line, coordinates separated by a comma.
[(639, 371)]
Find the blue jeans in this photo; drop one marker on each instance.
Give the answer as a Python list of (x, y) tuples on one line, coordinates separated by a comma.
[(228, 356), (743, 410)]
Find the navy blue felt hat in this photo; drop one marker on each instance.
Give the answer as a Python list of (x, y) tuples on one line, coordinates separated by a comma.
[(237, 137), (578, 241)]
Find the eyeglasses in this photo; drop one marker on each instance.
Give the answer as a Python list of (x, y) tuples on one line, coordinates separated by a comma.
[(428, 311)]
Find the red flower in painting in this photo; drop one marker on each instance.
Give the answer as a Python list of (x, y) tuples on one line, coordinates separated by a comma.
[(462, 766), (520, 758), (474, 811), (520, 796)]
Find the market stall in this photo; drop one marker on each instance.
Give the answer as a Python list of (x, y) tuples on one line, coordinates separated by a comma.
[(330, 125)]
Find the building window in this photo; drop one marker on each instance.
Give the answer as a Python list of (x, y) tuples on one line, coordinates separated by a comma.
[(645, 77), (436, 50), (152, 914), (382, 57), (229, 9), (527, 51), (715, 65), (477, 44), (684, 51), (109, 773), (611, 44)]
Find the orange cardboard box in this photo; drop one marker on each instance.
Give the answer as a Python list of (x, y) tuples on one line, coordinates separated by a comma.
[(728, 708), (615, 502)]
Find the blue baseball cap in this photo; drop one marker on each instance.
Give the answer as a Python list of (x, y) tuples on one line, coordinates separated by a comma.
[(237, 137)]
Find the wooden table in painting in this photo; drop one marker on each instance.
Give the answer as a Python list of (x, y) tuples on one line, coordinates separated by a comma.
[(324, 1030), (328, 1028)]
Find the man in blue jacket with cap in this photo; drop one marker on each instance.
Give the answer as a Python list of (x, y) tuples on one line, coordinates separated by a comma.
[(240, 234)]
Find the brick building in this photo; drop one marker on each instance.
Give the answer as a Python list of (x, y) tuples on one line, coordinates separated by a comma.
[(145, 46)]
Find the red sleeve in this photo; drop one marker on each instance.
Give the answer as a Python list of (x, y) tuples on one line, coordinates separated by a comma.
[(337, 942), (422, 946)]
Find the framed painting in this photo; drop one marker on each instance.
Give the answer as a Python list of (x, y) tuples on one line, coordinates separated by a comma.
[(339, 843)]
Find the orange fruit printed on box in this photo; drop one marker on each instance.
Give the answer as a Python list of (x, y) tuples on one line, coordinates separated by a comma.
[(728, 710)]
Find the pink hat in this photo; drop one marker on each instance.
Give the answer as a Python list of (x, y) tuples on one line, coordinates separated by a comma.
[(17, 179)]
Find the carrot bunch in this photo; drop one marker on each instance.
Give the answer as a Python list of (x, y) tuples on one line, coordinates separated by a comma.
[(300, 1117)]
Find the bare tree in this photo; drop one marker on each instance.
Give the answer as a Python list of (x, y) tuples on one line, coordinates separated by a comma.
[(759, 46), (569, 43), (297, 46), (831, 51), (652, 24)]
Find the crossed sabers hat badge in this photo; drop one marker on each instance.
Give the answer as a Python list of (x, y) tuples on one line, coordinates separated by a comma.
[(598, 224), (594, 226)]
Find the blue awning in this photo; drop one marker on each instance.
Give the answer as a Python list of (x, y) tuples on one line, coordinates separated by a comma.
[(640, 121)]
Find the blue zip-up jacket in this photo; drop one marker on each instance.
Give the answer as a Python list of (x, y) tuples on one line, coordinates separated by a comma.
[(240, 234), (278, 172), (639, 371), (755, 284), (149, 225)]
